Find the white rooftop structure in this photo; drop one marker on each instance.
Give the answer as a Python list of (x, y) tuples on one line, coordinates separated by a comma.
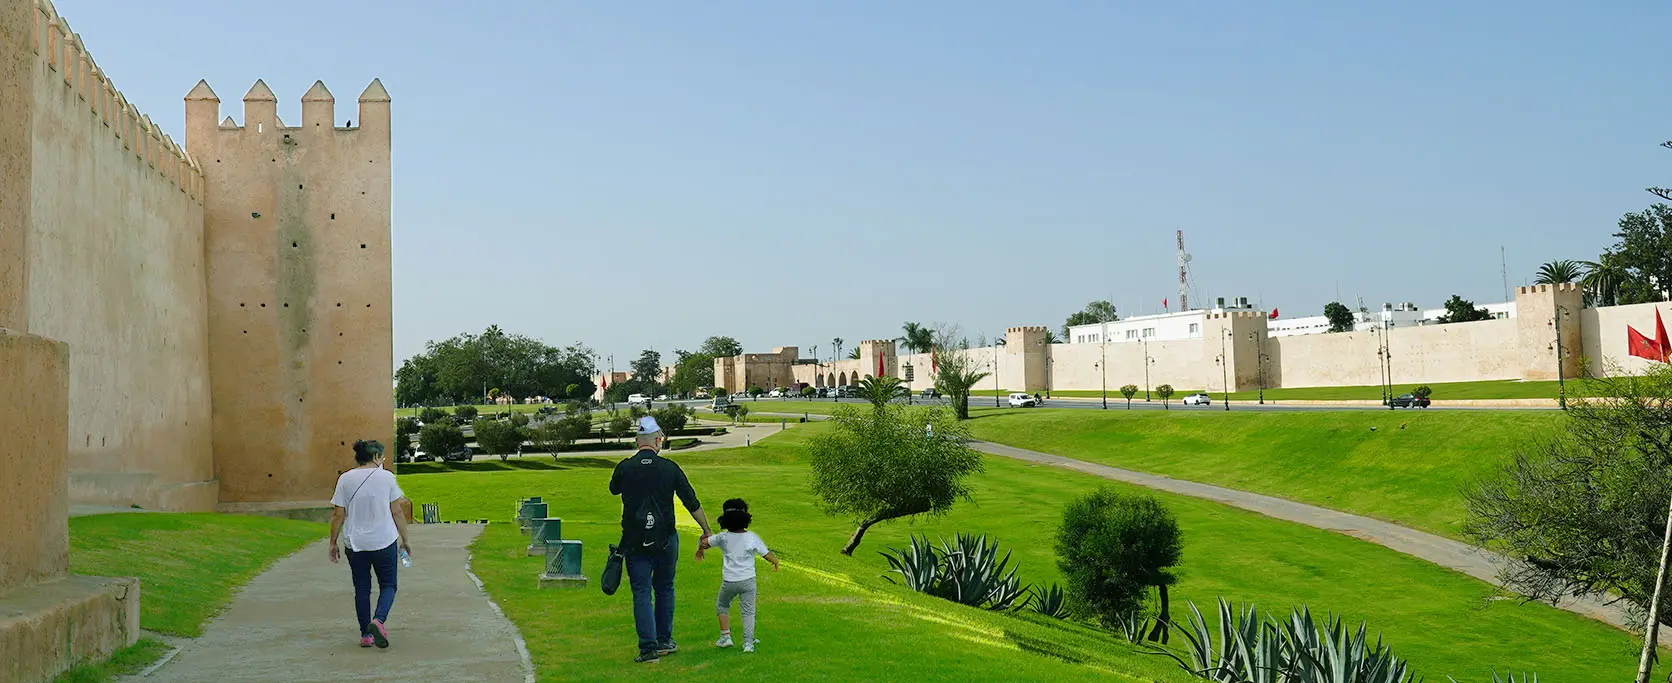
[(1188, 324)]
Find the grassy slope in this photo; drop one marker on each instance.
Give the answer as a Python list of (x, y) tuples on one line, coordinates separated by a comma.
[(1411, 476), (1444, 622), (188, 564)]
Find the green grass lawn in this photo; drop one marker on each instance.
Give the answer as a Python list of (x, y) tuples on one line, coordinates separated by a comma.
[(188, 564), (827, 616), (1410, 470), (126, 661), (1443, 391)]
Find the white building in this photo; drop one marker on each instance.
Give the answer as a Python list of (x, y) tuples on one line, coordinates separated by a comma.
[(1188, 324), (1162, 327)]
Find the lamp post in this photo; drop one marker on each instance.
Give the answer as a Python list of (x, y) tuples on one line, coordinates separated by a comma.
[(1561, 358), (1381, 366), (1259, 361), (1143, 343), (1224, 369), (1103, 366), (997, 344)]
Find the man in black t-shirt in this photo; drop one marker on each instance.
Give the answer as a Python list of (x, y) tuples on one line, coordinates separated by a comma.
[(647, 483)]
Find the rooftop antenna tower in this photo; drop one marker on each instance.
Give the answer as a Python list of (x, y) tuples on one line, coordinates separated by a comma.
[(1184, 286), (1503, 266)]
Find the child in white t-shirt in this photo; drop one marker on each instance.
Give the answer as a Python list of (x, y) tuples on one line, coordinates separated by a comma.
[(738, 547)]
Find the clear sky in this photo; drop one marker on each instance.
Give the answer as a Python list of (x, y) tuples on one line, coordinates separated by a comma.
[(645, 174)]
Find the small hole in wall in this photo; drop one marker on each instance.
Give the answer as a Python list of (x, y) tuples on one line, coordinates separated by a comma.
[(298, 187), (339, 362), (287, 304), (333, 216), (339, 304), (264, 305), (255, 214), (368, 305), (269, 476), (362, 192), (362, 246), (293, 244), (240, 304), (275, 161), (246, 331)]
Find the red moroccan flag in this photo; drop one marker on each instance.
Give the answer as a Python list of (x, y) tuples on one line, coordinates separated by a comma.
[(1273, 315), (1661, 340), (879, 366), (1164, 304), (1639, 345), (933, 366)]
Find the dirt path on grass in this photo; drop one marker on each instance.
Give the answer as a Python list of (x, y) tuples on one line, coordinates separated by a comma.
[(295, 622), (1454, 555)]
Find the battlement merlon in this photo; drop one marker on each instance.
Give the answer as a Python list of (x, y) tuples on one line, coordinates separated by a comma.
[(203, 111)]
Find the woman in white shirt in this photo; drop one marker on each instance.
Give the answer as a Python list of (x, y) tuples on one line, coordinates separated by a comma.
[(368, 516)]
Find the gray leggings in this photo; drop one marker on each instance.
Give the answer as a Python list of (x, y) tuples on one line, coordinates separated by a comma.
[(745, 592)]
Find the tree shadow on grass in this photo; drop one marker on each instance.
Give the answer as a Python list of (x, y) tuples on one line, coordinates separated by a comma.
[(525, 465)]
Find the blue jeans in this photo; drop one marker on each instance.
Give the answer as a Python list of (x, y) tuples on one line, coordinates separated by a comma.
[(360, 566), (649, 573)]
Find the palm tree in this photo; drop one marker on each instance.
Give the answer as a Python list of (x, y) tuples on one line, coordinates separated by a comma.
[(1558, 272), (881, 390), (918, 337), (838, 343), (1602, 280), (1052, 338)]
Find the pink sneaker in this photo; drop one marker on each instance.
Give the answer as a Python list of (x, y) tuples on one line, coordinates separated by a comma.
[(365, 641), (379, 635)]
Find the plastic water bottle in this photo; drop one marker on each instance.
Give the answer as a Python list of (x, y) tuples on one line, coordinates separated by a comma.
[(406, 559)]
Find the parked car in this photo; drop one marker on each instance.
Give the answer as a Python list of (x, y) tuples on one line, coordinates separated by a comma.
[(638, 400), (662, 397), (847, 391), (1410, 401), (1021, 400), (779, 392), (930, 392), (1198, 399), (720, 403), (701, 393)]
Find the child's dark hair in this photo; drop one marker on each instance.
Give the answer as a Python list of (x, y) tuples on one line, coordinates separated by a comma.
[(734, 515), (366, 451)]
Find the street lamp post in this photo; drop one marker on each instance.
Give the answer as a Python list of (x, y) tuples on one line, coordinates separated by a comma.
[(1259, 362), (1143, 343), (1561, 357), (1103, 365), (996, 388), (1224, 368)]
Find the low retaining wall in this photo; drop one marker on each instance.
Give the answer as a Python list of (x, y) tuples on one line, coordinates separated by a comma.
[(47, 628)]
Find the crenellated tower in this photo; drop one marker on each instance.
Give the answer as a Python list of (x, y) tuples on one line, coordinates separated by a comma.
[(297, 237)]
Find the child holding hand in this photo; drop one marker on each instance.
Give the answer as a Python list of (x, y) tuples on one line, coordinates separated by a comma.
[(738, 547)]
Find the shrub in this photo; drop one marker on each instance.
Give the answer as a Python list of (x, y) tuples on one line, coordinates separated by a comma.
[(1129, 391), (719, 392), (498, 437), (889, 462), (406, 425), (808, 392), (967, 572), (1164, 391), (671, 417), (756, 391), (735, 411), (558, 434), (571, 390), (403, 443), (1423, 391), (519, 420), (1111, 547), (1252, 647), (441, 439), (429, 415), (620, 425), (466, 412)]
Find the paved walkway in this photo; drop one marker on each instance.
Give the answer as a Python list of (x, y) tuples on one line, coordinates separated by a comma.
[(295, 622), (1454, 555)]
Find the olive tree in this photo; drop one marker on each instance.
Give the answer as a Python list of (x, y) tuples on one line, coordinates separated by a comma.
[(499, 437), (1164, 391), (890, 462), (1583, 511), (1112, 548)]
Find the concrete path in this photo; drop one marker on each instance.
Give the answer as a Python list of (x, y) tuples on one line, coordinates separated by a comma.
[(1453, 555), (295, 622)]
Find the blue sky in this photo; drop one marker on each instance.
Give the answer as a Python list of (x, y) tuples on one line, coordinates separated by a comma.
[(645, 174)]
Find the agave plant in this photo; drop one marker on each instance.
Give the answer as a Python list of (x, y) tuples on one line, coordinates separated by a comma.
[(966, 571), (1250, 648), (1132, 626), (1048, 601)]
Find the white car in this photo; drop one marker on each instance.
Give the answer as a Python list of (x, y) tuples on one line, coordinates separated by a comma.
[(1197, 400), (638, 400), (778, 393), (1021, 400)]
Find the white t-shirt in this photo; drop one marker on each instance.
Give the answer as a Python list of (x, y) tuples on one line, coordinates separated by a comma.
[(370, 525), (737, 552)]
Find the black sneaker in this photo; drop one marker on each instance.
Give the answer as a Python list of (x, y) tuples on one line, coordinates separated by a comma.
[(667, 648), (647, 658)]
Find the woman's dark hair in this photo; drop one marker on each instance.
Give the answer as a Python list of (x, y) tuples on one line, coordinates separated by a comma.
[(365, 451), (734, 515)]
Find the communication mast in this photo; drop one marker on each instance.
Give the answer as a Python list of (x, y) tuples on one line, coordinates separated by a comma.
[(1184, 285)]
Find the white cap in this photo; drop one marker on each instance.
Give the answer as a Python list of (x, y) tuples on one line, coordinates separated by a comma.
[(647, 425)]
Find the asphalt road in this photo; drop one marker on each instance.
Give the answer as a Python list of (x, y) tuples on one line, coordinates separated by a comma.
[(1118, 402)]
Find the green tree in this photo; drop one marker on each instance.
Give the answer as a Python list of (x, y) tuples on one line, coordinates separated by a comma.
[(1052, 338), (1129, 391), (881, 391), (558, 434), (889, 463), (1099, 311), (1644, 252), (1558, 272), (406, 425), (1461, 310), (455, 369), (836, 345), (955, 371), (498, 437), (854, 354), (1164, 391), (494, 394), (1112, 548), (648, 368), (1583, 511), (672, 416), (918, 338), (467, 412), (720, 347), (441, 439), (1339, 316), (1603, 280), (691, 372), (429, 415)]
